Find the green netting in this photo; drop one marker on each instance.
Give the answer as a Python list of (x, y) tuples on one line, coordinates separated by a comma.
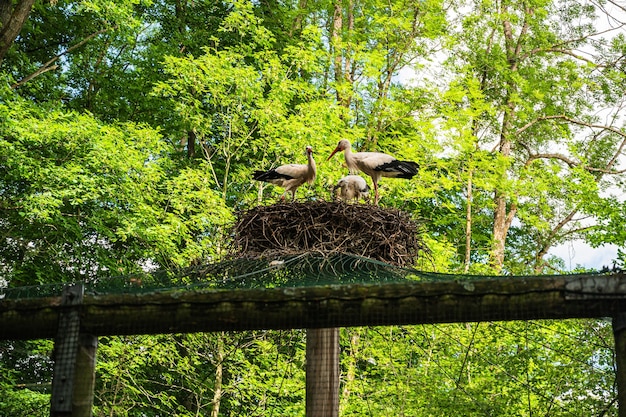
[(292, 271), (305, 270)]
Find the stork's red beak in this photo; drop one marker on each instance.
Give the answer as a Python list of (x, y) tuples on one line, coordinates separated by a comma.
[(334, 152)]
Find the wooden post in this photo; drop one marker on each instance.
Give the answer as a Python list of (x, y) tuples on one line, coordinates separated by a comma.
[(619, 332), (84, 376), (322, 372), (65, 351), (74, 360)]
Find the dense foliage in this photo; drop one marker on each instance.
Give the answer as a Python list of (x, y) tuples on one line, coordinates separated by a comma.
[(129, 130)]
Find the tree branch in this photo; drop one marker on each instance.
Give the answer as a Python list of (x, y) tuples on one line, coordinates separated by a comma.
[(558, 156), (608, 168), (47, 66), (563, 48), (570, 162), (555, 230), (573, 121)]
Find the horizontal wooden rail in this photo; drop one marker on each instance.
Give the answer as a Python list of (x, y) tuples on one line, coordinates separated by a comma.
[(411, 302)]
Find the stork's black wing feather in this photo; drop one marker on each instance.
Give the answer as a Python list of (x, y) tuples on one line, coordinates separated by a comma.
[(272, 174), (405, 169)]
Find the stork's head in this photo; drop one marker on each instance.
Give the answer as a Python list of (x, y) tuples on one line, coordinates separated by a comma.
[(341, 146), (309, 150)]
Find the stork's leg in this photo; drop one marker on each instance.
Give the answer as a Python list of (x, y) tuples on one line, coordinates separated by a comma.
[(375, 192)]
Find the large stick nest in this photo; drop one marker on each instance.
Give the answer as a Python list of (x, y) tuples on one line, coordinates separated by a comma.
[(284, 229)]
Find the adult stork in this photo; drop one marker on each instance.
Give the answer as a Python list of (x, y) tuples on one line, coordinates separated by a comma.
[(375, 164), (290, 176), (352, 187)]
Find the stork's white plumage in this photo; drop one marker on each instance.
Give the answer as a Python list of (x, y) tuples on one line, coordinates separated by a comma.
[(352, 187), (375, 164), (290, 176)]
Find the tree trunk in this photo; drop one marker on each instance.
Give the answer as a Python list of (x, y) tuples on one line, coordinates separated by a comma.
[(219, 375), (191, 144), (296, 26), (468, 221), (336, 44), (502, 216), (504, 213), (12, 19), (499, 232), (351, 367), (342, 60)]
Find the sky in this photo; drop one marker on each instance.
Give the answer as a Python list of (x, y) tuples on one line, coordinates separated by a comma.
[(578, 253)]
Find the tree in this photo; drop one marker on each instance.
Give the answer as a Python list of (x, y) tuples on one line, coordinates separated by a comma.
[(479, 369), (244, 373), (543, 128), (246, 103), (79, 200), (25, 378)]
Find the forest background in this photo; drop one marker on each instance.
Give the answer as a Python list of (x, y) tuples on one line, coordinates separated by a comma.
[(129, 130)]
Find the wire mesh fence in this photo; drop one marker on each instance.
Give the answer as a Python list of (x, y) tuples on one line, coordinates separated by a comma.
[(302, 270), (474, 368)]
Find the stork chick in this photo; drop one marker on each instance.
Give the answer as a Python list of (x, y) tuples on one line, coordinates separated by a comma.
[(375, 164), (352, 187), (290, 176)]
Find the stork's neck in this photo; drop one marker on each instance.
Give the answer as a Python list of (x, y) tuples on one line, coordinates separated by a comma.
[(312, 169), (350, 161)]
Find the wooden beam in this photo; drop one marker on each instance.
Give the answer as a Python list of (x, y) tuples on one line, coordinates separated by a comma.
[(411, 302)]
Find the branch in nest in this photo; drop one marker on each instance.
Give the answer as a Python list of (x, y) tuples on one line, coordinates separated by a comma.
[(387, 235)]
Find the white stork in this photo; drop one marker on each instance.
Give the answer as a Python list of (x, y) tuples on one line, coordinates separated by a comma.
[(352, 187), (290, 176), (375, 164)]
